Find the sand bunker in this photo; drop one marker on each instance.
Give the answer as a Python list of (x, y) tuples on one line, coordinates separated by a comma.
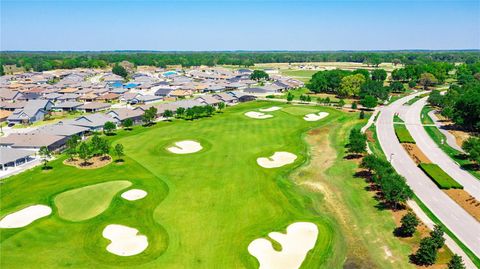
[(134, 194), (299, 239), (278, 159), (185, 147), (257, 115), (315, 117), (25, 216), (270, 109), (125, 240)]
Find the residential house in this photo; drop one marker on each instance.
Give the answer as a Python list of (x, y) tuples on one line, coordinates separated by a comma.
[(67, 106), (34, 110), (94, 122), (93, 107), (10, 95), (121, 114), (33, 141), (226, 98), (145, 99), (208, 100)]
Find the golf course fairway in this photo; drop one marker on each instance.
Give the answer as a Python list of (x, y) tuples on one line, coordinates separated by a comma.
[(202, 210)]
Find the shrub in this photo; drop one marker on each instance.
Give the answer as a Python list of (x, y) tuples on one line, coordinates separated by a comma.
[(439, 177)]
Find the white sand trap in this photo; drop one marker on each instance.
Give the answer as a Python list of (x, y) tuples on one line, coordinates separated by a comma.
[(270, 109), (134, 194), (315, 117), (257, 115), (25, 216), (299, 239), (125, 240), (185, 147), (278, 159)]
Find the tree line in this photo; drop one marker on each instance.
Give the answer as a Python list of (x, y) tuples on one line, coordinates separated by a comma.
[(42, 61)]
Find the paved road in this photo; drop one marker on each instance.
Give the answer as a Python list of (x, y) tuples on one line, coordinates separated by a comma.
[(463, 225), (426, 144), (451, 141)]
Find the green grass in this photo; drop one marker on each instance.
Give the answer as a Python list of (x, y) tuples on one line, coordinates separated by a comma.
[(396, 118), (302, 75), (87, 202), (425, 117), (202, 209), (456, 155), (300, 110), (402, 134), (441, 179)]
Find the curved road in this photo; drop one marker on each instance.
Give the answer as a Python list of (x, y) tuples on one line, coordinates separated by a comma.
[(463, 225), (426, 144)]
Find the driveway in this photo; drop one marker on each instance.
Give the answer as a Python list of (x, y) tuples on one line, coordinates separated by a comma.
[(462, 224)]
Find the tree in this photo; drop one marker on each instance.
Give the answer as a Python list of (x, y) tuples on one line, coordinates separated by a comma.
[(119, 70), (456, 262), (435, 98), (397, 86), (189, 113), (72, 144), (379, 75), (168, 114), (466, 107), (109, 127), (119, 151), (289, 97), (357, 142), (369, 101), (259, 75), (362, 115), (180, 112), (104, 148), (427, 80), (350, 85), (209, 110), (412, 84), (374, 88), (341, 103), (149, 115), (46, 154), (364, 72), (354, 105), (327, 81), (409, 224), (84, 152), (472, 147), (426, 253), (395, 189), (437, 236), (221, 105), (96, 145), (127, 124)]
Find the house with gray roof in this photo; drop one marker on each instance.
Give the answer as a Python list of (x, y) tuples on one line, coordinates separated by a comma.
[(34, 141), (67, 106), (34, 110), (94, 122), (226, 98), (10, 95), (121, 114), (208, 100), (12, 157), (145, 99), (61, 129), (93, 107)]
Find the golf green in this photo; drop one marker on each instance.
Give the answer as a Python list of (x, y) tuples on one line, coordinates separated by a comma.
[(203, 208)]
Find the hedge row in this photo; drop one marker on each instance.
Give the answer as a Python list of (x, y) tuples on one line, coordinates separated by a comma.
[(402, 134), (442, 179)]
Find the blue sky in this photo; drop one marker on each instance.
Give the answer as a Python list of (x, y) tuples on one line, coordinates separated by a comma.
[(239, 25)]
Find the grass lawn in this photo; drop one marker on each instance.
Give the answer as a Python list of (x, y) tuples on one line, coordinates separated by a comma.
[(202, 209), (302, 75), (456, 155), (402, 134), (424, 115), (441, 179)]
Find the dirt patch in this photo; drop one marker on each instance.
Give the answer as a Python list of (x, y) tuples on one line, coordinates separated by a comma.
[(370, 137), (92, 163), (466, 201), (415, 153), (460, 136)]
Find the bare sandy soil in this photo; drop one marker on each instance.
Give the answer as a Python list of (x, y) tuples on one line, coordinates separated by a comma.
[(299, 239), (278, 159), (125, 241), (185, 147), (257, 115), (25, 216)]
